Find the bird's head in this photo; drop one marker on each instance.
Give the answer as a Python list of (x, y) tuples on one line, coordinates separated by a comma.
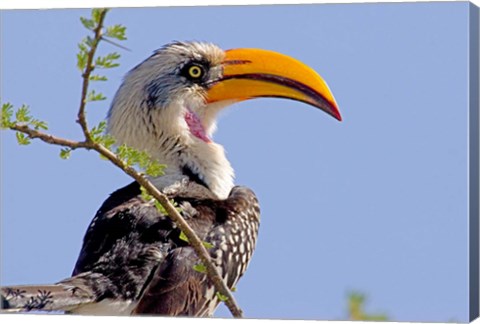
[(167, 105)]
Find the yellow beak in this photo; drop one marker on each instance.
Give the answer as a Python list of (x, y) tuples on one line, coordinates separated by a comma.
[(253, 73)]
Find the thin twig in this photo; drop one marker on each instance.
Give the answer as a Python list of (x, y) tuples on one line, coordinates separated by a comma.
[(194, 241), (50, 139), (86, 76)]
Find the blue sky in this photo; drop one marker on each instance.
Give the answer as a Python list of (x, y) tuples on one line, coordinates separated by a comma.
[(376, 203)]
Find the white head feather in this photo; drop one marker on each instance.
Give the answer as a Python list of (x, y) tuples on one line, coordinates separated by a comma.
[(148, 113)]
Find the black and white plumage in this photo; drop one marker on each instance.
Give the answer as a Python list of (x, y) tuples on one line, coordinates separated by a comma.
[(133, 260)]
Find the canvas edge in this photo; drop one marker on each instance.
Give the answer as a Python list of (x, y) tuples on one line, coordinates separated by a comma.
[(474, 33)]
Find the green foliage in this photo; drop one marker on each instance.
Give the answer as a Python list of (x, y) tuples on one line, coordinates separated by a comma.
[(97, 12), (200, 267), (22, 139), (88, 44), (160, 207), (88, 23), (130, 156), (147, 197), (23, 115), (183, 237), (65, 153), (107, 61), (22, 118), (142, 159), (82, 55), (356, 303), (93, 96), (97, 133), (7, 114), (221, 297), (87, 48), (116, 31), (95, 77), (107, 140), (207, 245), (92, 23)]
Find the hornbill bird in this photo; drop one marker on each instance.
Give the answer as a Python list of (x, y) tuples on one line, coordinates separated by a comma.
[(133, 260)]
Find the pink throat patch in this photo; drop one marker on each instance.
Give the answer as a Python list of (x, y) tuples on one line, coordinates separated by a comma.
[(195, 126)]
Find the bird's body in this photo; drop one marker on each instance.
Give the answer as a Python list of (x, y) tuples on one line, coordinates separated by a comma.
[(134, 259), (129, 242)]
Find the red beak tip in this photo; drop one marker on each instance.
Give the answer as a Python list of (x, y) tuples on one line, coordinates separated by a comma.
[(336, 114)]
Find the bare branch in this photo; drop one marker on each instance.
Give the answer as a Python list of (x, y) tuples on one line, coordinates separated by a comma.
[(50, 139)]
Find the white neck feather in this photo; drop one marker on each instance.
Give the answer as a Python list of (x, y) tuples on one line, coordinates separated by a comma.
[(164, 134)]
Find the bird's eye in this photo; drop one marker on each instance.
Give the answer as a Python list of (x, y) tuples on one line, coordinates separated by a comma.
[(195, 72)]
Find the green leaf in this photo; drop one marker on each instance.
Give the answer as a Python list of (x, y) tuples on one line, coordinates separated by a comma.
[(116, 31), (133, 157), (200, 267), (96, 14), (7, 113), (98, 78), (98, 135), (122, 151), (127, 154), (99, 129), (154, 169), (177, 208), (82, 46), (159, 207), (22, 139), (145, 195), (233, 289), (107, 141), (221, 297), (183, 237), (93, 96), (87, 23), (81, 61), (38, 124), (23, 115), (107, 61), (356, 304), (65, 153), (89, 41), (103, 157)]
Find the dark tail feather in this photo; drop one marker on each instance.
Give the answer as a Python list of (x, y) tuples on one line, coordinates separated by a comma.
[(58, 297)]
